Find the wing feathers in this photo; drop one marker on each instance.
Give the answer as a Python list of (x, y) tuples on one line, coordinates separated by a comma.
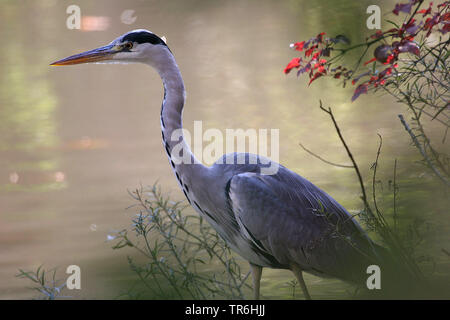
[(290, 219)]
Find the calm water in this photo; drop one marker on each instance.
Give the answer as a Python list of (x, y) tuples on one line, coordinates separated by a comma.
[(73, 140)]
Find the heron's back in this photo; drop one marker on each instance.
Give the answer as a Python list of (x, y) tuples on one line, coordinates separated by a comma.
[(283, 218)]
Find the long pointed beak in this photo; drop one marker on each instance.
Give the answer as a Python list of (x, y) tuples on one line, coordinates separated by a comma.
[(99, 54)]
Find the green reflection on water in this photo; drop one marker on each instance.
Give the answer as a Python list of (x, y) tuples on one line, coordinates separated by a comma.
[(27, 113), (27, 104)]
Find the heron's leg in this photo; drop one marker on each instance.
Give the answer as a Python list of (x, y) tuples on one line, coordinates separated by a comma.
[(299, 275), (256, 275)]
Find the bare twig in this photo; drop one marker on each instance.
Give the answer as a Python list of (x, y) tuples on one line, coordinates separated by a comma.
[(324, 160), (395, 195), (422, 151), (349, 153), (399, 252), (446, 252), (375, 167)]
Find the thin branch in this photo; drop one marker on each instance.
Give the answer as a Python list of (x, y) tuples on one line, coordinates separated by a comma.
[(324, 160), (395, 195), (446, 252), (349, 153), (422, 151), (374, 179)]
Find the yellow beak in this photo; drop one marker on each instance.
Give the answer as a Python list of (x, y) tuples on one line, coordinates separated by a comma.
[(99, 54)]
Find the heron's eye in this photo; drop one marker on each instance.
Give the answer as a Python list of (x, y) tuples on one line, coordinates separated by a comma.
[(128, 45)]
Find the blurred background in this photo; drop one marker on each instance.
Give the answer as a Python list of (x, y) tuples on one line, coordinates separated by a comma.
[(74, 139)]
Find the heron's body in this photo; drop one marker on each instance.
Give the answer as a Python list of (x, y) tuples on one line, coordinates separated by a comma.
[(280, 220)]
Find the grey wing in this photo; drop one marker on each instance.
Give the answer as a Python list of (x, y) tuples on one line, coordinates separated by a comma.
[(287, 217)]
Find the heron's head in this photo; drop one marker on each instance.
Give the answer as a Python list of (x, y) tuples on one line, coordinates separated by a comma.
[(135, 46)]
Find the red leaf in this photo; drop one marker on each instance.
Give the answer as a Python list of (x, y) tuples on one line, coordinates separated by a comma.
[(362, 88), (299, 46), (426, 11), (385, 73), (320, 65), (320, 37), (446, 28), (295, 63), (377, 35), (389, 59), (371, 60), (316, 75), (310, 51), (304, 69), (445, 17), (373, 79), (430, 23)]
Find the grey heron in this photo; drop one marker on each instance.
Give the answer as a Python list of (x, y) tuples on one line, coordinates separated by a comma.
[(278, 220)]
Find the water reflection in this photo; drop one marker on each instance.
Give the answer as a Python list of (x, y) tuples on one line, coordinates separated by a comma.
[(27, 114), (72, 140)]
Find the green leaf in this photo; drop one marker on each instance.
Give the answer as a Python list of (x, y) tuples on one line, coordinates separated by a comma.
[(393, 23)]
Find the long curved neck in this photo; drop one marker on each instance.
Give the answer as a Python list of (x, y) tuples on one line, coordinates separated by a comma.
[(172, 106), (180, 155)]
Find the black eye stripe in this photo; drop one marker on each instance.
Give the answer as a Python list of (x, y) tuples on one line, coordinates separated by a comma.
[(143, 37)]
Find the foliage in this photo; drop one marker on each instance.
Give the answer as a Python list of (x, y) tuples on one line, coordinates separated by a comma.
[(180, 252), (410, 63), (45, 283), (409, 271), (402, 249)]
